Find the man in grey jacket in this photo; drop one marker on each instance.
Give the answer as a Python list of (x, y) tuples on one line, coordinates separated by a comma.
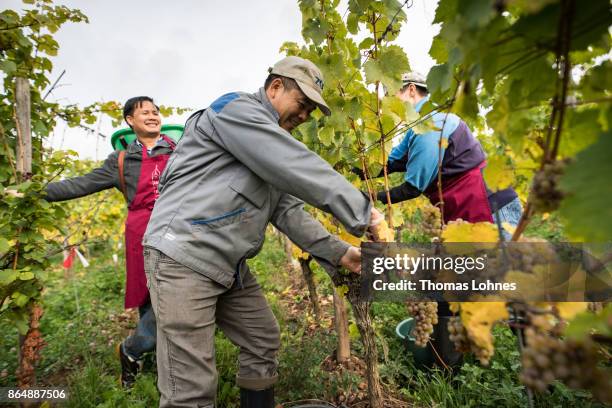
[(236, 169)]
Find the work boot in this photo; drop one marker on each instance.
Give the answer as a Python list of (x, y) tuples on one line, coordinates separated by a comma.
[(257, 399), (129, 368)]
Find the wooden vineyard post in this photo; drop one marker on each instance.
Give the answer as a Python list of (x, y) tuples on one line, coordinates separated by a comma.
[(24, 130), (343, 352), (31, 343)]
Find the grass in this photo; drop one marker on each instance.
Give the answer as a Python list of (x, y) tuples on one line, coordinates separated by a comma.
[(84, 321)]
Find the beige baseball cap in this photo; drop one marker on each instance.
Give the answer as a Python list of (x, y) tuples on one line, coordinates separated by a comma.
[(307, 76)]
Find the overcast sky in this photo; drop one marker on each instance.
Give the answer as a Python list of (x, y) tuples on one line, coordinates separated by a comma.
[(184, 53)]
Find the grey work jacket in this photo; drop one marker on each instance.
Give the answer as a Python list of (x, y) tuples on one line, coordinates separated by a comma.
[(234, 171), (107, 176)]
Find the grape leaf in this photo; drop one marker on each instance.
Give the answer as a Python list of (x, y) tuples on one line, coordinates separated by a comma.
[(468, 232), (587, 208), (568, 310), (498, 173), (478, 319), (387, 68)]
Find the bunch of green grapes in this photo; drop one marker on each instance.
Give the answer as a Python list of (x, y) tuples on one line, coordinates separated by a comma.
[(547, 357), (425, 315), (545, 187), (432, 220), (459, 336), (525, 256)]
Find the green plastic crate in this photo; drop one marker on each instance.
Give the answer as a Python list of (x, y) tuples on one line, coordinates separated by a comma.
[(174, 132)]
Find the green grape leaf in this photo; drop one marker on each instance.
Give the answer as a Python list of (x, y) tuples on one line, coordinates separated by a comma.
[(388, 68), (7, 276), (338, 120), (585, 323), (353, 332), (22, 324), (26, 276), (8, 66), (4, 245), (587, 208), (367, 43), (477, 12), (359, 7), (315, 30), (438, 50), (597, 82), (352, 23), (19, 299), (446, 11), (581, 131), (395, 106), (439, 80), (326, 135)]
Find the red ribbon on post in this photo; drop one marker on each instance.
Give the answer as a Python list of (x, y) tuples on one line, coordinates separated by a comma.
[(67, 264)]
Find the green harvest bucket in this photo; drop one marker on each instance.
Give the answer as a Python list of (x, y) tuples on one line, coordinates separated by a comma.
[(174, 132), (423, 357)]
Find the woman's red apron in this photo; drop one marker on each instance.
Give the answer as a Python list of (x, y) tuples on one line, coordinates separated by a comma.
[(465, 197), (139, 212)]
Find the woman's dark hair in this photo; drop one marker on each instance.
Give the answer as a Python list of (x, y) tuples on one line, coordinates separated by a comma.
[(136, 102)]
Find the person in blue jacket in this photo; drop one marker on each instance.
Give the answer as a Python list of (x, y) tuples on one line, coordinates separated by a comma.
[(465, 193)]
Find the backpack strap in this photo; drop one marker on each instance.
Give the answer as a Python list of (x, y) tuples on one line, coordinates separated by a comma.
[(120, 162), (123, 142)]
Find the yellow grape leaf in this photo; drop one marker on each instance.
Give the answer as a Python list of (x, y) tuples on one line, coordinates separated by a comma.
[(498, 174), (478, 319), (395, 105), (567, 310), (468, 232), (342, 290), (545, 216), (410, 207), (382, 232), (298, 253)]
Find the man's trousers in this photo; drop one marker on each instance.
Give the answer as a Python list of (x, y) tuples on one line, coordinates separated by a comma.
[(187, 307)]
